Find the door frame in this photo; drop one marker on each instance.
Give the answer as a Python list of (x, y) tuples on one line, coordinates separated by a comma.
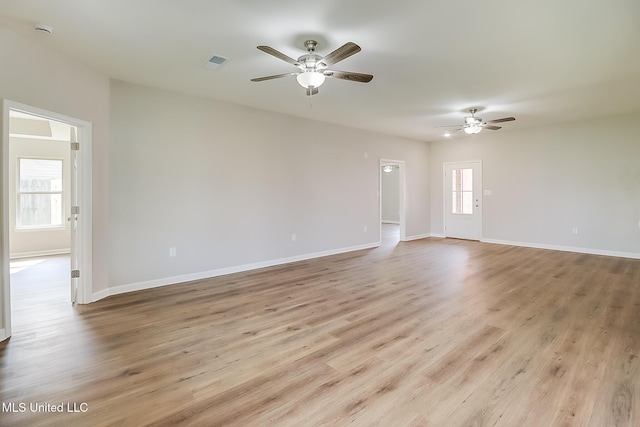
[(402, 196), (445, 165), (84, 236)]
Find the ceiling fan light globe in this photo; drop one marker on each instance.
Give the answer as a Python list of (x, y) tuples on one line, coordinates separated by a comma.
[(310, 78), (472, 129)]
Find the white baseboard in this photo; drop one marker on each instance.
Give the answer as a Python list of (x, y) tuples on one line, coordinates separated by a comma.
[(416, 237), (424, 236), (565, 248), (96, 296), (34, 254), (390, 221), (131, 287)]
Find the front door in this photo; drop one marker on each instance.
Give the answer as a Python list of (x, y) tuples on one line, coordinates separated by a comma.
[(463, 200)]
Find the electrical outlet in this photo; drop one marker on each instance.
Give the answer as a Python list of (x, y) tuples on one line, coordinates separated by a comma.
[(172, 251), (293, 237), (574, 230), (365, 228)]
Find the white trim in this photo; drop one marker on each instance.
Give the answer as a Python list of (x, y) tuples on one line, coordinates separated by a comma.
[(390, 221), (97, 296), (149, 284), (417, 237), (41, 229), (437, 235), (564, 248), (5, 291), (33, 254)]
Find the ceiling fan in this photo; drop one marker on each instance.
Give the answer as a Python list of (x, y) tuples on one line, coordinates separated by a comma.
[(313, 67), (473, 124)]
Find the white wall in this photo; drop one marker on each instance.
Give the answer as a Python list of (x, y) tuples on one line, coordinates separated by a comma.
[(546, 181), (227, 186), (33, 242), (390, 186)]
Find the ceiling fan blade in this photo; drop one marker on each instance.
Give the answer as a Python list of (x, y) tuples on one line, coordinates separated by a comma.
[(491, 127), (506, 119), (348, 75), (276, 76), (341, 53), (451, 132), (279, 55), (311, 90)]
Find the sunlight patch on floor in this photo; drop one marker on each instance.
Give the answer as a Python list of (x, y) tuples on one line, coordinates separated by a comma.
[(19, 265)]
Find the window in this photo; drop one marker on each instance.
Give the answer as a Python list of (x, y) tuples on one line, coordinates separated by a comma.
[(462, 200), (39, 193)]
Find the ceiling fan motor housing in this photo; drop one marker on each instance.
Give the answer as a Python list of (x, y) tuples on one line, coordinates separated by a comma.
[(311, 61)]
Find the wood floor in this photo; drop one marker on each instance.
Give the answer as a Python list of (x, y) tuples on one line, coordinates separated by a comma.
[(434, 332)]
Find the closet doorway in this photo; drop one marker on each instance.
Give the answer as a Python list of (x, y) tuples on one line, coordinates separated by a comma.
[(392, 201)]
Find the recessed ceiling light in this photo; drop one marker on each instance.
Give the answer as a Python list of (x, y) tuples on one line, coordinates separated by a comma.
[(447, 134)]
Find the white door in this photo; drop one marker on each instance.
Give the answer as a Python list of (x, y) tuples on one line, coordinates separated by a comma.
[(73, 218), (463, 200)]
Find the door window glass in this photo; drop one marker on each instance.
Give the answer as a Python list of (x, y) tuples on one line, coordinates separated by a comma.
[(462, 188)]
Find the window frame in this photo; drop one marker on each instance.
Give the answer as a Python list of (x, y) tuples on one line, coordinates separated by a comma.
[(18, 223)]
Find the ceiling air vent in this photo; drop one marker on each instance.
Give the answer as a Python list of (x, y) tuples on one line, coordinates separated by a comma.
[(215, 61)]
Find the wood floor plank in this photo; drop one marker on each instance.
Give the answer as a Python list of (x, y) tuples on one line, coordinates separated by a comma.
[(435, 332)]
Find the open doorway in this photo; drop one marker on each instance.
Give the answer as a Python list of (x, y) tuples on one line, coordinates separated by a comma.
[(39, 186), (39, 215), (392, 202), (45, 185)]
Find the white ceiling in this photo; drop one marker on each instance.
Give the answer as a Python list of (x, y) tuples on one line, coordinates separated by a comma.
[(543, 61)]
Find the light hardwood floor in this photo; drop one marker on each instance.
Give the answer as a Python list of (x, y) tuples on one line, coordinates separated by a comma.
[(436, 332)]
